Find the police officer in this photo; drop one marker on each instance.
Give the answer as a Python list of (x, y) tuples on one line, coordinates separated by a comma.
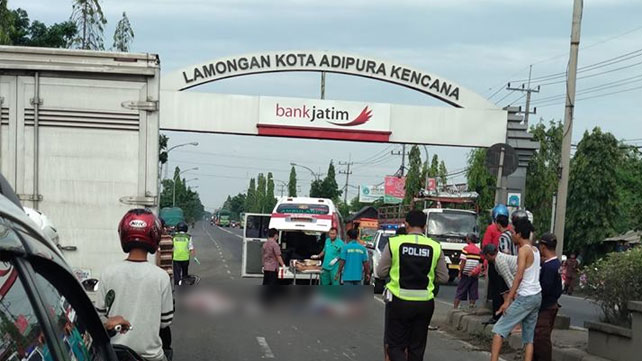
[(415, 263), (183, 249)]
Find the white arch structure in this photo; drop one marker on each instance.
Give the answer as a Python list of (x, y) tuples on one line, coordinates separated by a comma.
[(471, 121)]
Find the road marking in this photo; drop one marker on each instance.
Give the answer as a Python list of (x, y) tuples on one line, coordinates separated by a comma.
[(267, 352), (232, 233), (347, 356), (228, 272)]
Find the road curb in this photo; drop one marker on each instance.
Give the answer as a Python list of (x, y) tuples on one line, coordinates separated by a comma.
[(473, 323)]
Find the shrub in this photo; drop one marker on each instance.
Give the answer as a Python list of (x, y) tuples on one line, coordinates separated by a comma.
[(613, 281)]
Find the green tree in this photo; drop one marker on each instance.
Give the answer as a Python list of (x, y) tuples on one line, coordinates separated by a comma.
[(329, 186), (433, 172), (481, 181), (6, 24), (629, 176), (316, 189), (292, 183), (17, 29), (123, 35), (270, 200), (186, 199), (261, 194), (250, 199), (413, 177), (443, 173), (90, 22), (236, 205), (593, 204), (424, 174), (542, 174)]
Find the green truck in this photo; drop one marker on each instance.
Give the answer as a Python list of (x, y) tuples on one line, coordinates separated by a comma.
[(223, 218), (172, 216)]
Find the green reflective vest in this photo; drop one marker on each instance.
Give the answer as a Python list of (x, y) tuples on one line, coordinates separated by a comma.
[(412, 274), (181, 247)]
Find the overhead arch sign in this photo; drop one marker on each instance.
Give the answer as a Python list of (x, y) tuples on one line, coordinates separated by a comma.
[(331, 62)]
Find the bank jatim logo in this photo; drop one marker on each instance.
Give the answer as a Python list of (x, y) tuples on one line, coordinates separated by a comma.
[(330, 115)]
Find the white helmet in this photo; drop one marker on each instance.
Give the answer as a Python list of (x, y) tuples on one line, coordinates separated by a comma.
[(44, 224)]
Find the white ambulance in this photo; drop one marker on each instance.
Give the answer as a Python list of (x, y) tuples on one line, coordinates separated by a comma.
[(303, 225)]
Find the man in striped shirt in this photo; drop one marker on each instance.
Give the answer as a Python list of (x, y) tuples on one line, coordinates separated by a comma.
[(469, 269), (506, 265)]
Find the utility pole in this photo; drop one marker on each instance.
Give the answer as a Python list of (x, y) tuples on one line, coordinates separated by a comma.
[(323, 85), (403, 159), (401, 171), (347, 172), (562, 189), (527, 88)]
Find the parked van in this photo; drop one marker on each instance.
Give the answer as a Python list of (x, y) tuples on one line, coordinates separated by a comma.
[(303, 225)]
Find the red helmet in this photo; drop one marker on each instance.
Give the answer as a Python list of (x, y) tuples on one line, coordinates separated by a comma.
[(139, 228)]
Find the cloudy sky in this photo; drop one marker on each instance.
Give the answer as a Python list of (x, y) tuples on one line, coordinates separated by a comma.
[(481, 44)]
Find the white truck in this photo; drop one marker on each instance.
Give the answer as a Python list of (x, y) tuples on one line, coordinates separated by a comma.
[(79, 142), (449, 227)]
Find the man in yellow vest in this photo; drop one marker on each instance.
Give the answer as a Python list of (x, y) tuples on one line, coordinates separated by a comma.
[(183, 250), (415, 263)]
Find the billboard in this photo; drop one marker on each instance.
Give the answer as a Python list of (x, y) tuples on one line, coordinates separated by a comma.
[(328, 119), (395, 189), (370, 194)]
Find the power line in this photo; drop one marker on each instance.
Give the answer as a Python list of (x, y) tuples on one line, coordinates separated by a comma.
[(600, 64), (501, 85), (274, 170), (516, 100), (376, 155), (613, 84), (495, 93), (505, 96), (594, 75), (596, 96), (234, 155)]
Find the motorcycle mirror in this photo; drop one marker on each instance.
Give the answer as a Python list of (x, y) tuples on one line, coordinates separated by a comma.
[(109, 300), (90, 284)]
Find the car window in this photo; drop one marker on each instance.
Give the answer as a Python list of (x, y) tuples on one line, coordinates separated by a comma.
[(71, 330), (23, 338), (383, 241), (257, 226)]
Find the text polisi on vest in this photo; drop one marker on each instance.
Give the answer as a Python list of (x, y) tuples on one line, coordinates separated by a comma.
[(415, 251)]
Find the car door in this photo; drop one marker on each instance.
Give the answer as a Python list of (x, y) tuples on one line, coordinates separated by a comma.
[(75, 325), (254, 235)]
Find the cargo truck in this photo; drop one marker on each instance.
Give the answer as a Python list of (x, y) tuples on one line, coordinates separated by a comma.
[(79, 142)]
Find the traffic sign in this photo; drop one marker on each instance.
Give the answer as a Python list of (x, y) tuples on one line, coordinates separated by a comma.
[(493, 155)]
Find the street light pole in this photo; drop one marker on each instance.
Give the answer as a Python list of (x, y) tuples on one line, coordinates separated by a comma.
[(314, 174), (174, 185), (174, 147)]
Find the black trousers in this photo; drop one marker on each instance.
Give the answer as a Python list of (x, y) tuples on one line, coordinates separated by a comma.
[(180, 270), (496, 286), (270, 278), (406, 328)]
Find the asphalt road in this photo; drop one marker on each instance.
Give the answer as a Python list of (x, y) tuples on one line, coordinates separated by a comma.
[(221, 318), (578, 308)]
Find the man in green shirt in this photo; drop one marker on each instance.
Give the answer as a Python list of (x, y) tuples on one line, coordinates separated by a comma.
[(330, 255)]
